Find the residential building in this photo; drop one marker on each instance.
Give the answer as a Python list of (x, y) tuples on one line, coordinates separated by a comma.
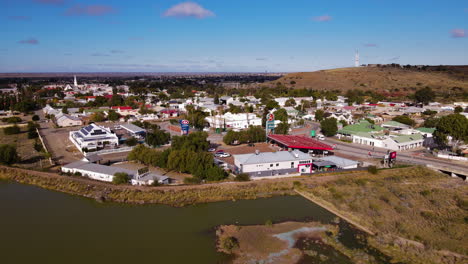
[(234, 121), (392, 142), (273, 163), (106, 173), (93, 137), (65, 120)]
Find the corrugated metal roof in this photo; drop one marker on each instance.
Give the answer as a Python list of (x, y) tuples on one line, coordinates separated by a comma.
[(91, 167), (271, 157)]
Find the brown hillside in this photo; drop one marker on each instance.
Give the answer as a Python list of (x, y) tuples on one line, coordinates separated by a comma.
[(380, 79)]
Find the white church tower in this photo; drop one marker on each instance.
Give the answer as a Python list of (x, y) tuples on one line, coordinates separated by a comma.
[(356, 59), (75, 83)]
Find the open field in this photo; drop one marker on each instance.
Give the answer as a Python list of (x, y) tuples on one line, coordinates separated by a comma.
[(420, 216), (30, 158), (391, 80)]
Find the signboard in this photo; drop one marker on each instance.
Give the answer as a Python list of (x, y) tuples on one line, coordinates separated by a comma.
[(184, 126), (393, 155), (270, 124), (270, 117)]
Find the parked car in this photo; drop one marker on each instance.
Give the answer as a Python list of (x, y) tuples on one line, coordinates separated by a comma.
[(224, 155), (211, 149), (220, 151), (320, 137)]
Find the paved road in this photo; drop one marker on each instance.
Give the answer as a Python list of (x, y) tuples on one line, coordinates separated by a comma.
[(416, 157)]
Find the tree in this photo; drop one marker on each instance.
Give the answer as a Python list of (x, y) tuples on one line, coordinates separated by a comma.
[(319, 114), (431, 122), (8, 154), (216, 99), (65, 110), (282, 115), (329, 127), (404, 120), (458, 109), (454, 125), (120, 178), (196, 141), (290, 102), (32, 126), (11, 130), (229, 243), (242, 177), (113, 115), (282, 128), (131, 142), (157, 138), (424, 95), (35, 118), (97, 117)]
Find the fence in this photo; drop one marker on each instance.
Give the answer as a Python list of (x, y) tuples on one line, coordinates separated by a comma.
[(45, 147)]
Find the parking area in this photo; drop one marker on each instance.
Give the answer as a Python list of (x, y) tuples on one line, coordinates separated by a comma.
[(62, 149), (245, 149)]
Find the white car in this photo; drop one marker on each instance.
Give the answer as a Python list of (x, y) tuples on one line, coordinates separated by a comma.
[(321, 137), (224, 155)]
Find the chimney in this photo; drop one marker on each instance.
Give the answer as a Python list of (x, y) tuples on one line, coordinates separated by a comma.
[(257, 152)]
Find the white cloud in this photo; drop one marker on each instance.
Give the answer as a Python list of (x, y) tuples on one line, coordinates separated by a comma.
[(188, 9)]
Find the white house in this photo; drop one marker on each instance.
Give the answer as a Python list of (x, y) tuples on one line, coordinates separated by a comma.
[(234, 121), (273, 163), (106, 173), (64, 120), (392, 142), (93, 137)]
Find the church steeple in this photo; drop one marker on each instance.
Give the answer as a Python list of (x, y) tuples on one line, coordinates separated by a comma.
[(75, 83)]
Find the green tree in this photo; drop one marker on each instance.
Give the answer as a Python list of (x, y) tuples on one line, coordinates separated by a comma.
[(8, 154), (242, 177), (157, 138), (458, 109), (454, 125), (131, 141), (97, 117), (216, 99), (113, 115), (281, 114), (229, 243), (11, 130), (282, 128), (404, 120), (329, 127), (35, 118), (120, 178), (290, 102), (424, 95), (319, 115), (65, 110)]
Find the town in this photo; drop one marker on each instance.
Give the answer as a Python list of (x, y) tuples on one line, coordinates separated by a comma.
[(200, 129)]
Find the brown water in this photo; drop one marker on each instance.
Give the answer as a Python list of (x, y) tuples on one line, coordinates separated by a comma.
[(41, 226)]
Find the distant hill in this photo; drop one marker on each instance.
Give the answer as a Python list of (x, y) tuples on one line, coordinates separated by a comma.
[(387, 80)]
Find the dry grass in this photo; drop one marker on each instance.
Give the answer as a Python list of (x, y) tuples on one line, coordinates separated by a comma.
[(419, 204), (25, 148), (376, 79)]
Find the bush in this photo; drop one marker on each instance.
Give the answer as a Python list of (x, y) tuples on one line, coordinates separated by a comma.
[(230, 243), (11, 130), (35, 118), (120, 178), (131, 142), (38, 146), (242, 177), (8, 154), (12, 120), (372, 169), (192, 180)]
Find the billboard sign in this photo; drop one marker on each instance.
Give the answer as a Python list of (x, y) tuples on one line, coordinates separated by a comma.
[(184, 126)]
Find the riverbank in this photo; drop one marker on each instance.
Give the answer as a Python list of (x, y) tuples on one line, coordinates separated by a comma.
[(169, 195), (412, 215)]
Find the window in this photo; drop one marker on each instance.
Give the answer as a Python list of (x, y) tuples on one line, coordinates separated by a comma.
[(277, 164), (271, 165), (292, 165)]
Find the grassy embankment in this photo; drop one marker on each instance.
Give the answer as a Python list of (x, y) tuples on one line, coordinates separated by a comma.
[(419, 216)]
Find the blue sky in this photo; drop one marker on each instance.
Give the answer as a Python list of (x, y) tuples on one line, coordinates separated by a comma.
[(227, 36)]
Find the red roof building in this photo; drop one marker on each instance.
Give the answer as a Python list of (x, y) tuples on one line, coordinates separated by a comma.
[(299, 142)]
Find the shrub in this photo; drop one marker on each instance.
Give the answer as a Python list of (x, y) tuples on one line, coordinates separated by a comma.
[(11, 130), (192, 180), (35, 118), (230, 243), (242, 177), (12, 120), (425, 193), (131, 142), (8, 154), (268, 222), (120, 178), (372, 169)]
